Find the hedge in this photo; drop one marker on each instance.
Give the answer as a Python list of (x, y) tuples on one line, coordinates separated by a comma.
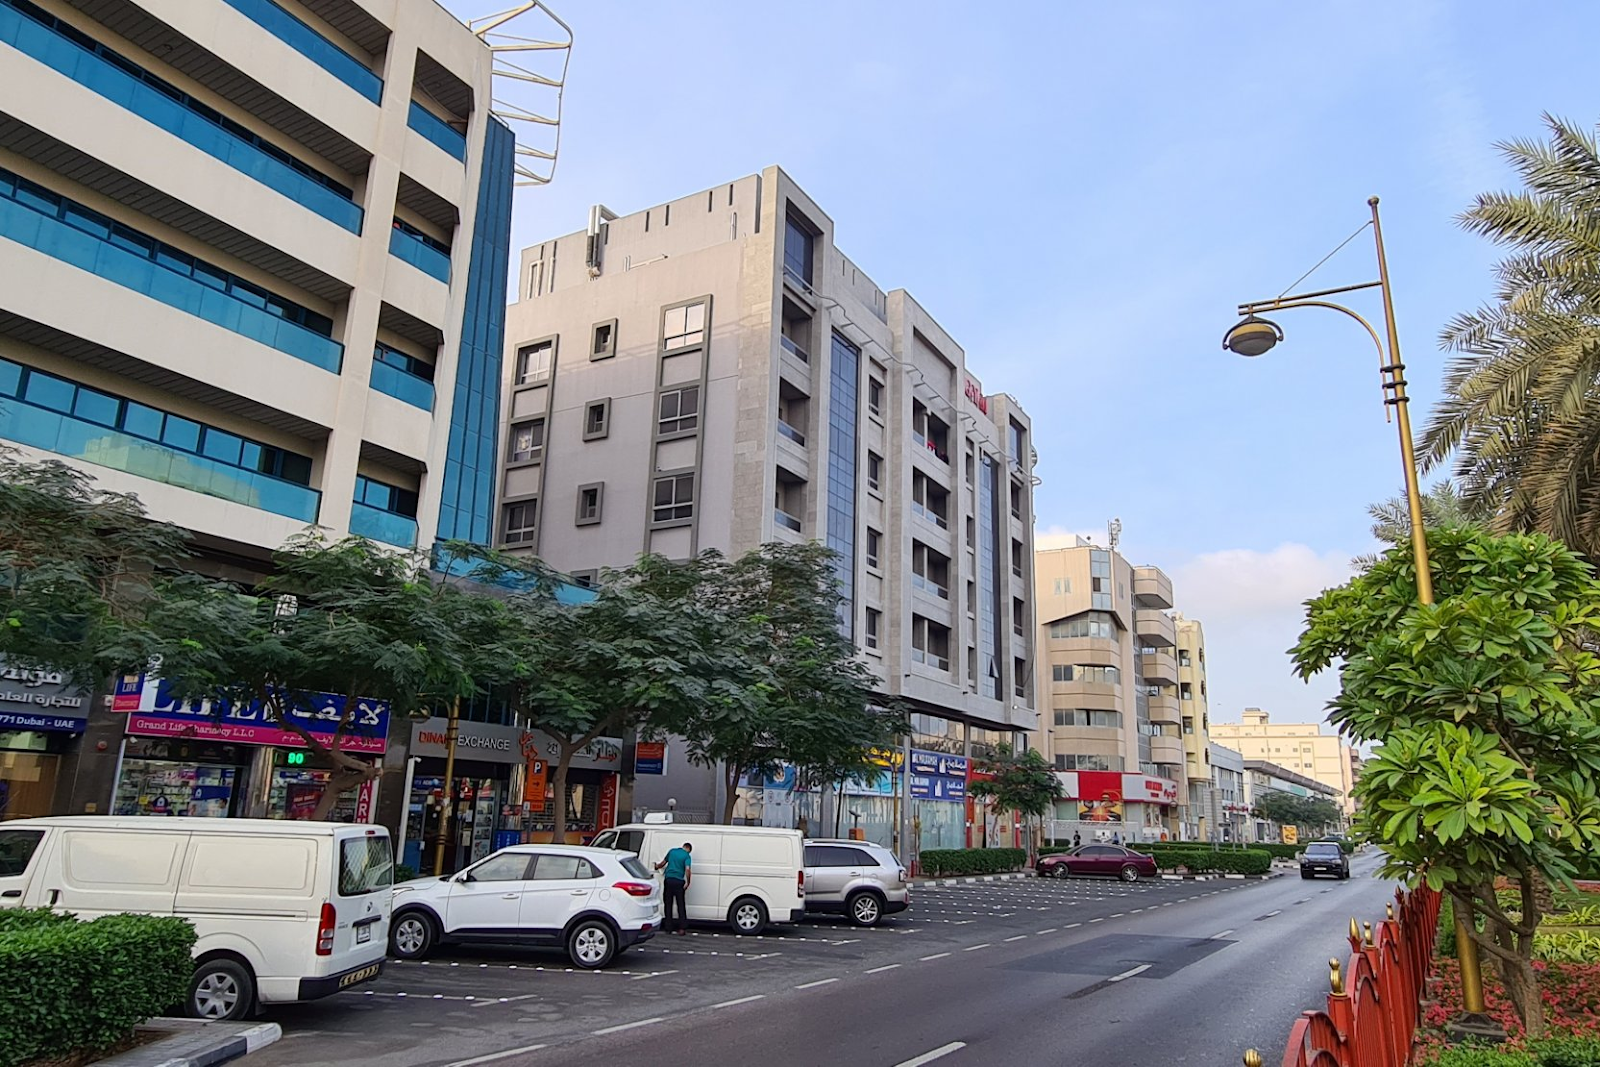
[(82, 986), (1220, 861), (1156, 848), (942, 861)]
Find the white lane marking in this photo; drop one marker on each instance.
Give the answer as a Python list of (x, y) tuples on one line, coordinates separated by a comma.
[(1117, 915), (652, 974), (496, 1056), (885, 967), (1099, 920), (1072, 925), (974, 948), (813, 985), (625, 1026), (1130, 973), (935, 956), (505, 1000), (1219, 937), (1048, 930), (929, 1057), (741, 1000), (1019, 937)]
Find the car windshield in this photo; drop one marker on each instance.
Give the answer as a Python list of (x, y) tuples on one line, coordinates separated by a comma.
[(632, 865), (1323, 851), (366, 865)]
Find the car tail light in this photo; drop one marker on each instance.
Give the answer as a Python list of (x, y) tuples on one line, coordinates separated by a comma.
[(325, 930), (902, 876), (800, 882), (635, 889)]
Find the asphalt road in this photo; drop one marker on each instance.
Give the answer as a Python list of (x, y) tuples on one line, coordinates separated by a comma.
[(1032, 971)]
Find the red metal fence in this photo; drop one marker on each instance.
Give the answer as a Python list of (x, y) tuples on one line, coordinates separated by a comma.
[(1373, 1009)]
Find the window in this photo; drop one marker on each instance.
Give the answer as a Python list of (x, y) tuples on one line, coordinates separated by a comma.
[(385, 497), (1109, 720), (586, 579), (930, 643), (1090, 624), (1063, 587), (674, 498), (16, 849), (797, 249), (521, 522), (1073, 762), (527, 441), (603, 345), (552, 868), (533, 362), (874, 544), (1019, 616), (590, 498), (875, 396), (1078, 673), (873, 619), (366, 865), (1185, 692), (1188, 724), (597, 419), (683, 326), (874, 472), (1019, 675), (679, 410), (506, 867)]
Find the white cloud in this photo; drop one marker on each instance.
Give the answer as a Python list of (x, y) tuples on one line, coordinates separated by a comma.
[(1243, 582), (1061, 537)]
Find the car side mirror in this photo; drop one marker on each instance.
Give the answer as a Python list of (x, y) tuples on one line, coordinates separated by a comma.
[(465, 878)]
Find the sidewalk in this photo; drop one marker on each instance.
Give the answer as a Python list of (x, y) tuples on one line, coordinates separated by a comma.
[(195, 1043)]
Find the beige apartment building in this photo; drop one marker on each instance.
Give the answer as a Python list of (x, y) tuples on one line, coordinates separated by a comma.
[(1196, 725), (1110, 717), (1301, 747), (714, 373)]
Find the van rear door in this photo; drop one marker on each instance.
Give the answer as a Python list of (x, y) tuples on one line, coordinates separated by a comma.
[(363, 898)]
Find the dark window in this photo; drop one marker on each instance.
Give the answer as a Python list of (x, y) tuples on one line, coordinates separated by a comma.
[(553, 868), (679, 410), (16, 849), (674, 498), (589, 499), (630, 841), (797, 249), (873, 617), (527, 441), (521, 522), (506, 867), (95, 406), (875, 396), (597, 419), (604, 343), (874, 541), (366, 865)]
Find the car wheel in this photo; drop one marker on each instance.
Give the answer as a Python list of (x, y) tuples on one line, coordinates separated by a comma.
[(748, 916), (1306, 875), (864, 909), (411, 936), (221, 990), (1130, 873), (591, 945)]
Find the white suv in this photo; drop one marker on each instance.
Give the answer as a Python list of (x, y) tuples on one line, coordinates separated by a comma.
[(593, 902)]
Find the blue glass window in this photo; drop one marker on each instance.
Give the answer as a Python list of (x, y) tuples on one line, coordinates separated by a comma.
[(437, 130), (311, 44), (181, 433), (219, 444), (142, 421), (421, 251), (844, 378), (48, 391), (95, 406)]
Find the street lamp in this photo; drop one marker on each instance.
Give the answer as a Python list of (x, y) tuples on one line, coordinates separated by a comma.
[(1254, 336)]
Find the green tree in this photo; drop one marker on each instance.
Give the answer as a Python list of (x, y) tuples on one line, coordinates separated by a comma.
[(1486, 708), (348, 617), (1312, 815), (75, 568), (1443, 507), (1521, 405), (1023, 783)]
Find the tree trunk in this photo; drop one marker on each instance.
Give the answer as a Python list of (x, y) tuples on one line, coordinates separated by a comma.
[(730, 779), (338, 782), (1511, 948), (558, 790)]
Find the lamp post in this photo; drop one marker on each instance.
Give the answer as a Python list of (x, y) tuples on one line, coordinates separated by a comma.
[(1254, 336)]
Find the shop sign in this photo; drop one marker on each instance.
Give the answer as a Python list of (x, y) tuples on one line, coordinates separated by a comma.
[(886, 757), (938, 776), (1148, 789), (938, 763), (535, 780), (491, 743), (607, 817), (650, 757), (45, 701), (975, 394), (160, 714), (364, 798)]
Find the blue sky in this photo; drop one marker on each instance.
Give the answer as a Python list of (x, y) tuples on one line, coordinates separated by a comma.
[(1081, 194)]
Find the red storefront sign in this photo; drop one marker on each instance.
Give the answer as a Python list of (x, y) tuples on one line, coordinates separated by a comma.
[(975, 394), (606, 817)]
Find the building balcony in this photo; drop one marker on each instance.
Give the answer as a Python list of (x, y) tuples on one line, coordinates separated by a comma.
[(417, 250), (786, 521), (1167, 750), (1152, 588), (1154, 627), (66, 231), (1159, 668), (169, 109), (929, 586), (794, 349), (311, 44), (1165, 708), (389, 527), (928, 515), (400, 382), (437, 131)]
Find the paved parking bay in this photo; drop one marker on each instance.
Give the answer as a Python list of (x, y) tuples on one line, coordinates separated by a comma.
[(467, 1001)]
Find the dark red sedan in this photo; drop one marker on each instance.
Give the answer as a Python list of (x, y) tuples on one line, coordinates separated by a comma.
[(1113, 860)]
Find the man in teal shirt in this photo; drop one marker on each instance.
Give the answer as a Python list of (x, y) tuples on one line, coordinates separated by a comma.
[(675, 884)]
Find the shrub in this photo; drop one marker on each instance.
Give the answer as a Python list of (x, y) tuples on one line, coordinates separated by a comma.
[(26, 918), (1220, 861), (404, 873), (944, 861), (74, 986), (1567, 946), (1567, 1051), (1479, 1056), (1584, 915)]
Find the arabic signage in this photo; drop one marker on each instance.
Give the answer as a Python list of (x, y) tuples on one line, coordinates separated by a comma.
[(975, 394), (46, 701), (1102, 793), (938, 776), (160, 714), (491, 743), (650, 757)]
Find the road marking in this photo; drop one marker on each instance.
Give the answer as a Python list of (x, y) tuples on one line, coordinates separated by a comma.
[(1269, 915), (929, 1057), (1143, 967), (885, 967), (496, 1056), (813, 985), (1071, 926), (741, 1000), (1219, 937), (1099, 920), (935, 956), (1048, 930), (1019, 937), (974, 948), (505, 1000), (1117, 915), (625, 1026), (652, 974)]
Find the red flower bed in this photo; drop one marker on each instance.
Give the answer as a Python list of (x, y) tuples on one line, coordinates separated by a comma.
[(1571, 994)]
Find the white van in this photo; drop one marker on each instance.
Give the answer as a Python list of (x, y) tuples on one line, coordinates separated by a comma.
[(285, 911), (745, 876)]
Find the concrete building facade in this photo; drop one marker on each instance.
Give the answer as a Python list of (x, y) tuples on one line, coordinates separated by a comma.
[(1191, 651), (254, 256), (1227, 815), (1263, 777), (1108, 686), (714, 373), (1301, 747)]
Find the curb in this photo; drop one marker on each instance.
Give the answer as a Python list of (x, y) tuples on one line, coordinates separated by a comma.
[(936, 882), (192, 1043)]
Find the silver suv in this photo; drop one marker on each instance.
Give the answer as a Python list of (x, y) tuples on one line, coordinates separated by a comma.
[(861, 880)]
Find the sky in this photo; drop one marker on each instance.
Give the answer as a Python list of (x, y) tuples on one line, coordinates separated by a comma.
[(1082, 194)]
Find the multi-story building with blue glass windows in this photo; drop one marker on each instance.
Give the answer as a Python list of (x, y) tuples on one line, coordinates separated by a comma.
[(714, 373), (255, 255)]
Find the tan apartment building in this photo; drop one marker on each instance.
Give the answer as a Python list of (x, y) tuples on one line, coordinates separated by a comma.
[(1191, 651), (714, 373), (1109, 715), (1301, 747)]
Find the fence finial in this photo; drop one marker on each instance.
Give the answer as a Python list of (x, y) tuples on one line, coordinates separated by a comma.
[(1252, 1058), (1355, 932), (1389, 909), (1335, 978), (1366, 930)]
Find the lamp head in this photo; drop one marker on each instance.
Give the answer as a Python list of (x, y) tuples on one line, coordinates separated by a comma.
[(1251, 336)]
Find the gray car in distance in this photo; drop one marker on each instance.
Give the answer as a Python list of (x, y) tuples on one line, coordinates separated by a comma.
[(857, 879)]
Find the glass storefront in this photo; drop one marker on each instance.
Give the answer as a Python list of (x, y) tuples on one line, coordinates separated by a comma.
[(938, 824), (27, 774), (170, 787), (295, 792)]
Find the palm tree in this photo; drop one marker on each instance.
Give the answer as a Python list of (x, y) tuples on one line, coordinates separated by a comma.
[(1443, 508), (1521, 411)]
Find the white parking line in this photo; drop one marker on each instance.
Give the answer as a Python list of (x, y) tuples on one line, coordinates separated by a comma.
[(974, 948), (1048, 930), (1219, 937), (1019, 937), (1071, 926), (929, 1057), (935, 956), (885, 967), (741, 1000), (625, 1026), (505, 1000), (1130, 973), (496, 1056), (813, 985), (652, 974)]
